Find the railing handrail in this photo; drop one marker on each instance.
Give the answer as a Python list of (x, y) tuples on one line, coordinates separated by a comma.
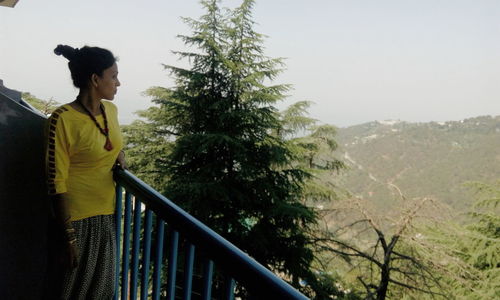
[(256, 278)]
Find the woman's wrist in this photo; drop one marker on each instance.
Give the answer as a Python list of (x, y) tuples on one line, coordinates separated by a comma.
[(70, 235), (69, 231), (66, 224)]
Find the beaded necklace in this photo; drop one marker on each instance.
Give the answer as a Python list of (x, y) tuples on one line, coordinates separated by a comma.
[(108, 146)]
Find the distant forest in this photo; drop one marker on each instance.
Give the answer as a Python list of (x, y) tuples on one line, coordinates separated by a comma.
[(422, 159)]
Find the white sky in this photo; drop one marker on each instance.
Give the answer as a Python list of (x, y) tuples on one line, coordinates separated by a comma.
[(358, 60)]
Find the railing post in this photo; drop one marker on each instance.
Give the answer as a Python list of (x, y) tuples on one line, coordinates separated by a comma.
[(172, 264), (229, 294), (118, 224), (188, 271), (146, 255), (126, 244), (208, 270), (135, 248), (160, 227)]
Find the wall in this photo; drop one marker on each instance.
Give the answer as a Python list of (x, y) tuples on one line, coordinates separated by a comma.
[(23, 202)]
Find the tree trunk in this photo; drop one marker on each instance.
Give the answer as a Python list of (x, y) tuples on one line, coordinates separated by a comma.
[(384, 283)]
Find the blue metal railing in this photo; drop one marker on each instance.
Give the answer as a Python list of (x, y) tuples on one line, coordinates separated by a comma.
[(198, 263)]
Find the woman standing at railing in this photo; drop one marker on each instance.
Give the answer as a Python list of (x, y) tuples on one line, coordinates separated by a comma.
[(84, 143)]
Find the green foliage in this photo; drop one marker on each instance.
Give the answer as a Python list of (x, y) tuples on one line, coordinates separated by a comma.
[(314, 151), (330, 287), (145, 152), (213, 144), (225, 168), (44, 106), (148, 142), (466, 257), (482, 247)]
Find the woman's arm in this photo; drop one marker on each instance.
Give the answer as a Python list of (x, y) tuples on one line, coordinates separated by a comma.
[(63, 223), (61, 211)]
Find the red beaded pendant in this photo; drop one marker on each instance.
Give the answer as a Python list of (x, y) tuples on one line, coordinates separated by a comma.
[(108, 146)]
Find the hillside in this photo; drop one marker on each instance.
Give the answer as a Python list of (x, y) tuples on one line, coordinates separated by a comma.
[(422, 159)]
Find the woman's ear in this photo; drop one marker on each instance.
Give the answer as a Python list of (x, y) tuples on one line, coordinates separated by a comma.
[(93, 80)]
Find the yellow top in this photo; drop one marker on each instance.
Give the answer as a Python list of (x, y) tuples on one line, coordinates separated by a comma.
[(77, 163)]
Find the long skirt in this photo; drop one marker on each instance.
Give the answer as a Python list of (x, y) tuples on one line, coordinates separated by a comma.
[(94, 278)]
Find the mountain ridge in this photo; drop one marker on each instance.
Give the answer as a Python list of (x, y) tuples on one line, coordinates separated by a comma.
[(424, 159)]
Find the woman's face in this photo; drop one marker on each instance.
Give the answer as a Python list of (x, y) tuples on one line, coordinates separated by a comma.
[(108, 83)]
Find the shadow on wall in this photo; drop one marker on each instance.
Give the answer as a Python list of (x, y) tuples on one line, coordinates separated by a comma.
[(23, 200)]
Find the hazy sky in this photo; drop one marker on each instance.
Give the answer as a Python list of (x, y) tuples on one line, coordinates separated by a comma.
[(358, 60)]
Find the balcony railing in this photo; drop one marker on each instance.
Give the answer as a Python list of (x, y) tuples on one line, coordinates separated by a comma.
[(165, 253)]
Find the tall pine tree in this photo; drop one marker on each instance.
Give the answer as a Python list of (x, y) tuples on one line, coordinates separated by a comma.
[(227, 166)]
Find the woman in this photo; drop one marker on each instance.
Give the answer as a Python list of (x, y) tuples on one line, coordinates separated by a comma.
[(84, 143)]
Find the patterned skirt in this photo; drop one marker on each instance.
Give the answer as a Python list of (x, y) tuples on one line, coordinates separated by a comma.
[(94, 278)]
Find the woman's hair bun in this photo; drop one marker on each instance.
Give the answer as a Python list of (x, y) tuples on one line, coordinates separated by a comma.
[(66, 51), (85, 62)]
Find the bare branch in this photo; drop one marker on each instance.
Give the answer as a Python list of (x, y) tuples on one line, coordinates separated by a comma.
[(369, 288), (407, 218), (165, 131), (350, 225), (356, 251)]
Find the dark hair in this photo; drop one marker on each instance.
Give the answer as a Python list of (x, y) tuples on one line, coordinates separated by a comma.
[(85, 61)]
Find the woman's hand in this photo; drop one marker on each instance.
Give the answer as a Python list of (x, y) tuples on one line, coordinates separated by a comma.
[(120, 161), (70, 255), (68, 250)]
